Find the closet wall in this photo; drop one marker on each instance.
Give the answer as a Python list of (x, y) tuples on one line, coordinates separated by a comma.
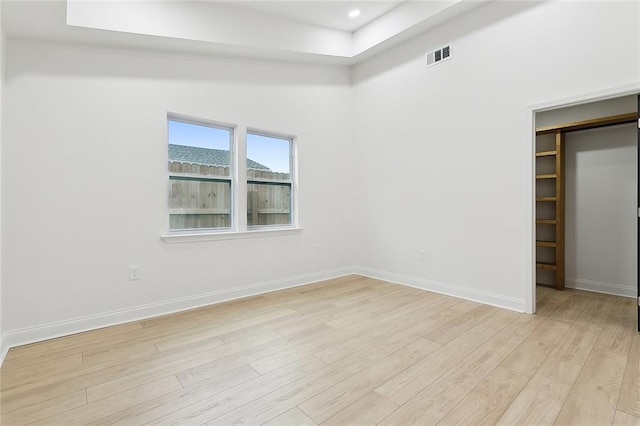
[(600, 200)]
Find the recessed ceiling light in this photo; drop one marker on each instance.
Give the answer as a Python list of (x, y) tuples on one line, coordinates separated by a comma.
[(354, 13)]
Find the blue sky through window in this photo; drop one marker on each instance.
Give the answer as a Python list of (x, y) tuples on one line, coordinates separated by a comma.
[(189, 134), (272, 152), (268, 151)]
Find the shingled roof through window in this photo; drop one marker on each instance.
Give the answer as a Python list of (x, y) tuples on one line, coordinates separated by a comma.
[(206, 156)]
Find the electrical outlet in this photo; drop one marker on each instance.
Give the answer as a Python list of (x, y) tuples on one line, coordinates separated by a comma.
[(318, 249), (134, 272), (422, 256)]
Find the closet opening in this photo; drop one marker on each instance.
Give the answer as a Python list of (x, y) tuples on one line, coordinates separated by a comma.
[(586, 199)]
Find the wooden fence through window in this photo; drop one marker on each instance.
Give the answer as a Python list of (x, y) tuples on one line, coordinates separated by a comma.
[(195, 204)]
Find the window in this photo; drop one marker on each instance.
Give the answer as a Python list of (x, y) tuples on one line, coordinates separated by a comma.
[(208, 183), (269, 179), (200, 185)]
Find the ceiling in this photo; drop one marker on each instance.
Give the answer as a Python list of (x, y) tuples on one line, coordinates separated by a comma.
[(317, 31), (325, 13)]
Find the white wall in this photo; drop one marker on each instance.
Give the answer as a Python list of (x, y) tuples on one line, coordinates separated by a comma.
[(601, 210), (454, 142), (85, 194)]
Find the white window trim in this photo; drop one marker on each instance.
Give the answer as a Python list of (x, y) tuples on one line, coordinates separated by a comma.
[(190, 237)]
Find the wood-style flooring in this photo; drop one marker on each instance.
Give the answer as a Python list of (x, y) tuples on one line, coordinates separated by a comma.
[(348, 351)]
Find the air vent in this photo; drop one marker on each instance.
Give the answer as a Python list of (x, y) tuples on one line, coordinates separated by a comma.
[(438, 55)]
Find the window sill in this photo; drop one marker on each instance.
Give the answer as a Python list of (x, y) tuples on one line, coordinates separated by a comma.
[(189, 237)]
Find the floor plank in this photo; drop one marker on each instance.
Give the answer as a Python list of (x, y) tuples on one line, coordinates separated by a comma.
[(629, 401), (337, 397), (410, 382), (475, 367), (572, 308), (595, 393), (223, 392), (623, 419), (548, 305), (92, 412), (617, 334), (287, 397), (489, 400), (534, 350), (542, 398), (368, 410), (293, 417), (45, 409), (429, 406), (14, 376)]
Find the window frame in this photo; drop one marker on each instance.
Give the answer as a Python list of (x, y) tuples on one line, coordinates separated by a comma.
[(291, 182), (239, 179), (232, 128)]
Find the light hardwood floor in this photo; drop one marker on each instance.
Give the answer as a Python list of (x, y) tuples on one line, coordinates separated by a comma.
[(349, 351)]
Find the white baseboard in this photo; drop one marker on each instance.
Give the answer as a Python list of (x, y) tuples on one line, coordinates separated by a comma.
[(487, 298), (77, 325), (601, 287)]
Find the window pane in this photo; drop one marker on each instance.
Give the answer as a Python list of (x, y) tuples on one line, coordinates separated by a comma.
[(268, 204), (199, 149), (268, 157), (199, 204)]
